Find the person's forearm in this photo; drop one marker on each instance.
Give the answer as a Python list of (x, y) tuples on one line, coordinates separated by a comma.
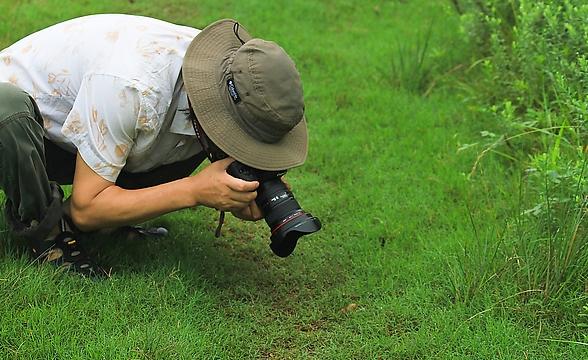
[(115, 206)]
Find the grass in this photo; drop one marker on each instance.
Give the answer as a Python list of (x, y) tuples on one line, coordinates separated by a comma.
[(383, 174)]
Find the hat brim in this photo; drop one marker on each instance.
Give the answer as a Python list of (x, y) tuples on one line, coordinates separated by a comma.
[(205, 71)]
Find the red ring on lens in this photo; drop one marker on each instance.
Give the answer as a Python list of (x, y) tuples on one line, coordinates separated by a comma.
[(287, 220)]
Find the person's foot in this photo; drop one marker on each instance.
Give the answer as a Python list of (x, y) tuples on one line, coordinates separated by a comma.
[(132, 232), (63, 250), (140, 231)]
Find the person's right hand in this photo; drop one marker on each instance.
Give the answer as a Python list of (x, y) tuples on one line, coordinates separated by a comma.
[(215, 188)]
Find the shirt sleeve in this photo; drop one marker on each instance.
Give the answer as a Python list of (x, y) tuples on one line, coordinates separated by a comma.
[(103, 123)]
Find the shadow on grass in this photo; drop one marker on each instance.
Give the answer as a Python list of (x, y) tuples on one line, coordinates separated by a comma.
[(237, 266)]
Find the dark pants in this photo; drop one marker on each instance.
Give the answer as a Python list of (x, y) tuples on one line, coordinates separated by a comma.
[(32, 168)]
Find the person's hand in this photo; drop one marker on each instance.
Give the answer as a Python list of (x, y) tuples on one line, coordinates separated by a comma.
[(215, 188), (249, 213), (253, 212), (288, 186)]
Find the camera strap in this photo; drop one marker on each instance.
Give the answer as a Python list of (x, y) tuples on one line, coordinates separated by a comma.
[(221, 221), (206, 148)]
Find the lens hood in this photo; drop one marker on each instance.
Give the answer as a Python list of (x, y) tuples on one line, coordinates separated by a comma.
[(284, 240)]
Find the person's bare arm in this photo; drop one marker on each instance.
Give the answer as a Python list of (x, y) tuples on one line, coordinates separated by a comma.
[(97, 203)]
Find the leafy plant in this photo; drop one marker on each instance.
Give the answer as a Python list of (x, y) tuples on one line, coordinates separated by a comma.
[(535, 59), (555, 248), (533, 85)]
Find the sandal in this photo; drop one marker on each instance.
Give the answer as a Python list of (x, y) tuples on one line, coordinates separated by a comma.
[(64, 251)]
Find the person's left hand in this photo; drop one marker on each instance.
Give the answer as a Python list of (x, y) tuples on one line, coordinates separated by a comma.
[(249, 213), (252, 212)]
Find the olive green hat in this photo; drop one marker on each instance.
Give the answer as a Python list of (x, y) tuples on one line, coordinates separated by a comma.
[(247, 96)]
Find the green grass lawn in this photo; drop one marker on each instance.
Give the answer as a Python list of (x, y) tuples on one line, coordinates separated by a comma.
[(383, 174)]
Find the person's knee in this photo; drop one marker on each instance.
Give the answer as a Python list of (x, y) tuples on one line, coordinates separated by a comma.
[(19, 132), (14, 100), (21, 145), (18, 116)]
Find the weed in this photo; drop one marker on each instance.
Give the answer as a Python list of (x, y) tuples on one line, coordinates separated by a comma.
[(411, 66)]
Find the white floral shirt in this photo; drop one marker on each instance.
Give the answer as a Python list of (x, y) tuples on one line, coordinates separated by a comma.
[(103, 84)]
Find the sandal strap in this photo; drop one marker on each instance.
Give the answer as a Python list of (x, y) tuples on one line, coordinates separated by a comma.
[(65, 251), (75, 255)]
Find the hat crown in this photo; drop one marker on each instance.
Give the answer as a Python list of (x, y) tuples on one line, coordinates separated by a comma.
[(227, 114), (269, 89)]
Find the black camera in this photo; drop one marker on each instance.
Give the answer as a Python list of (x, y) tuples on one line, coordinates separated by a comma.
[(282, 213)]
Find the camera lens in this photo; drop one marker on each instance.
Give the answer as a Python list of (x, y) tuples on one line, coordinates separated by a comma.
[(284, 216), (282, 213)]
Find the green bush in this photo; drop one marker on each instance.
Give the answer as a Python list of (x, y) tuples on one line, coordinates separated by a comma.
[(533, 67), (534, 57), (552, 238)]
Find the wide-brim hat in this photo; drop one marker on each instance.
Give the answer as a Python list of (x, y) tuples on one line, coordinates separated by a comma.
[(247, 96)]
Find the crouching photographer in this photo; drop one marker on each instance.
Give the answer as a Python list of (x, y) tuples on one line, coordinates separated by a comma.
[(125, 108)]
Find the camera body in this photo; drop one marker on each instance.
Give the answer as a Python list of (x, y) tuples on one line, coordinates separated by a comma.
[(247, 173), (282, 213)]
